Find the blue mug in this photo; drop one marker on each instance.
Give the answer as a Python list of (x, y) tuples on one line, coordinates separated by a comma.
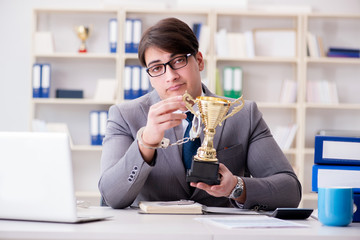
[(335, 206)]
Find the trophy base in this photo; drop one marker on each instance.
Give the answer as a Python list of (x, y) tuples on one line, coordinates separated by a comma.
[(202, 171)]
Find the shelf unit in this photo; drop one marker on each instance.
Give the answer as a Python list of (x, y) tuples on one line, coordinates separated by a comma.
[(263, 86), (256, 84), (73, 70), (336, 30)]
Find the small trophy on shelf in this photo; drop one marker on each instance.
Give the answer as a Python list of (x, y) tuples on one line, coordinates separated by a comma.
[(83, 33), (212, 112)]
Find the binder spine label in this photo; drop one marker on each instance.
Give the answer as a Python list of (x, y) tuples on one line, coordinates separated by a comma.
[(336, 176), (349, 150)]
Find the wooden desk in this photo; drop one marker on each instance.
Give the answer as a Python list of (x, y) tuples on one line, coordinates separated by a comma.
[(130, 225)]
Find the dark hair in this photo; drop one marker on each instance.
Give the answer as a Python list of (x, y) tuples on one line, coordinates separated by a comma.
[(171, 35)]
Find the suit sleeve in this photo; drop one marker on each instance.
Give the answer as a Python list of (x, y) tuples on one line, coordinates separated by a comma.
[(273, 182), (123, 170)]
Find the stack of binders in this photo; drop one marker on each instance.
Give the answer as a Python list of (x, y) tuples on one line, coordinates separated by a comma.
[(132, 35), (337, 163), (41, 80), (137, 82), (98, 120)]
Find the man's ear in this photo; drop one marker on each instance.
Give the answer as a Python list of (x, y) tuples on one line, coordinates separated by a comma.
[(200, 60)]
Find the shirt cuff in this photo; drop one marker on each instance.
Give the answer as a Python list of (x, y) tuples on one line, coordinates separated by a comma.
[(236, 204)]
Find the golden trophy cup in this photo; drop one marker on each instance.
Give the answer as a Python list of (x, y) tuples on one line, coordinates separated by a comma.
[(212, 111), (83, 32)]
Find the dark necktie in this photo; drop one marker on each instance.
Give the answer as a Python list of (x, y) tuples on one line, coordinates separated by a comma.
[(189, 148)]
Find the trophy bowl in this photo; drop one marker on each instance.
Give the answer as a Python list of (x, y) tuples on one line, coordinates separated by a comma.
[(212, 110), (83, 32)]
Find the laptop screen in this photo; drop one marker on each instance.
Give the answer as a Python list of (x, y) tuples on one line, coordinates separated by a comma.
[(36, 178)]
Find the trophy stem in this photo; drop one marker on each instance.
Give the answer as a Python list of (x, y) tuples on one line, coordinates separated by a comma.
[(207, 151), (82, 48)]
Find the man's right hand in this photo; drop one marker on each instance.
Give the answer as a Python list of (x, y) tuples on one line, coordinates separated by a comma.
[(161, 117)]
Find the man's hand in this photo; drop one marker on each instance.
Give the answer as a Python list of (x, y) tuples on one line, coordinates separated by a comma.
[(161, 117), (227, 183)]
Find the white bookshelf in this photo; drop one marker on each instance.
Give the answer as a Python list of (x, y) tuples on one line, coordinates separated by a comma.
[(336, 30), (262, 77), (73, 70)]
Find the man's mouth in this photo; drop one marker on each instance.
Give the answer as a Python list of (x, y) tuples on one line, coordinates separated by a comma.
[(175, 87)]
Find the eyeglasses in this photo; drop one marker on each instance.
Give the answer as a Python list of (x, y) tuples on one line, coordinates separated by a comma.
[(175, 63)]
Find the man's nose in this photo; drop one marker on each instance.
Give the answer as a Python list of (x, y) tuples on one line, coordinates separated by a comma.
[(170, 74)]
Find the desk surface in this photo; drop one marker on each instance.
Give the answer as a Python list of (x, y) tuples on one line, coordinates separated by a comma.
[(128, 224)]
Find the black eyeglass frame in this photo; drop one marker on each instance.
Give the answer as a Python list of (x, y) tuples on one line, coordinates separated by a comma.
[(169, 63)]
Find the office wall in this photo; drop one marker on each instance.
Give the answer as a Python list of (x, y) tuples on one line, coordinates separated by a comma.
[(15, 47)]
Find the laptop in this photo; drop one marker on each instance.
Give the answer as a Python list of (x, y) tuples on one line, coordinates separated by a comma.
[(36, 178)]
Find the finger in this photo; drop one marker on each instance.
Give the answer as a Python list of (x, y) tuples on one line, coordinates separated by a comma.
[(163, 115), (164, 108), (177, 100), (200, 185), (167, 125), (222, 168), (170, 117), (214, 190)]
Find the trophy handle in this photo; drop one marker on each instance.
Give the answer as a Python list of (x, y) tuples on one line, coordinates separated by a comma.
[(236, 109), (187, 98)]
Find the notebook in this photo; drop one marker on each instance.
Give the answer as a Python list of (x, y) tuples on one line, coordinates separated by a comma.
[(171, 207), (36, 178)]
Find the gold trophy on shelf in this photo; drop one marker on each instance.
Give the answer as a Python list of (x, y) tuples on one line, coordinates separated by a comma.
[(212, 112), (83, 32)]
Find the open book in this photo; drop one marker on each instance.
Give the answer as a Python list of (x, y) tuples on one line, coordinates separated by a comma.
[(171, 207)]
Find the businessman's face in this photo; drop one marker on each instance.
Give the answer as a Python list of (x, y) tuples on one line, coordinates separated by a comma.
[(182, 73)]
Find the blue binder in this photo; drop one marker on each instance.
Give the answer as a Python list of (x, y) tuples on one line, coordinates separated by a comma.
[(145, 82), (136, 36), (94, 128), (135, 81), (36, 79), (337, 175), (103, 116), (128, 35), (337, 150), (197, 29), (113, 34), (45, 81), (127, 83)]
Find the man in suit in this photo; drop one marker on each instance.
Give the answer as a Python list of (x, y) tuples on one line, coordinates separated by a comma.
[(254, 171)]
